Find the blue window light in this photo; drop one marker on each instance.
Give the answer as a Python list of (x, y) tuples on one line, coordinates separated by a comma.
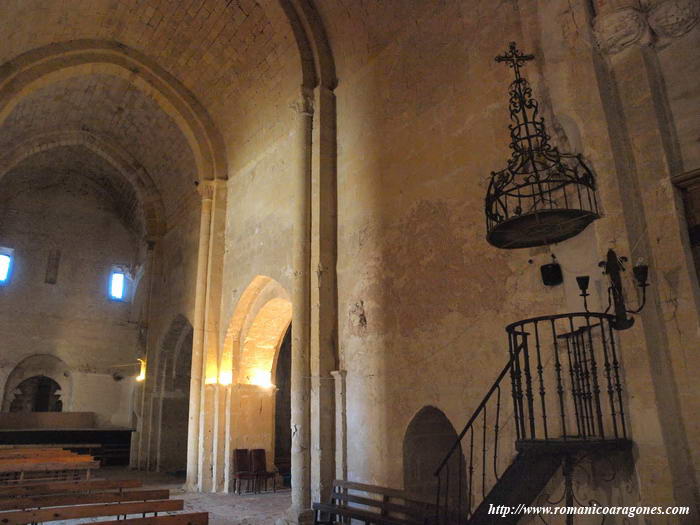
[(117, 286), (5, 266)]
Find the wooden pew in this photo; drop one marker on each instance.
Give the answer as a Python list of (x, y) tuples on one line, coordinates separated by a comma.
[(35, 453), (19, 469), (88, 447), (50, 500), (20, 517), (371, 504), (37, 503), (193, 518), (65, 487)]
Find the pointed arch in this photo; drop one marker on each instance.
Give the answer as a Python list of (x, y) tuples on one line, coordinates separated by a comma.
[(45, 365), (133, 173), (429, 437), (258, 325), (34, 69)]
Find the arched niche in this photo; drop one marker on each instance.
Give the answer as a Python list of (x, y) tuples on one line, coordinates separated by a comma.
[(259, 327), (170, 376), (428, 439), (258, 324), (44, 365), (37, 394)]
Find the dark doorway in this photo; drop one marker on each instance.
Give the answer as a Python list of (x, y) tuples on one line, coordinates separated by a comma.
[(283, 409), (37, 394), (428, 439)]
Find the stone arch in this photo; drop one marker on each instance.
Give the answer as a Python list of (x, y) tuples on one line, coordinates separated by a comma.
[(40, 365), (268, 302), (429, 437), (317, 63), (134, 174), (262, 341), (37, 394), (40, 67), (171, 388), (258, 328)]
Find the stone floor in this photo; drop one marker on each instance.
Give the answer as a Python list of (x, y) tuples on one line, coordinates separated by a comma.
[(224, 509)]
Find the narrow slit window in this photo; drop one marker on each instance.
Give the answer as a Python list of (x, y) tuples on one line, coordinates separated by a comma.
[(5, 267), (117, 286)]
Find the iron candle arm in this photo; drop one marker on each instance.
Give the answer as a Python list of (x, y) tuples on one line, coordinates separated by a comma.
[(641, 273), (582, 281), (609, 299), (644, 300)]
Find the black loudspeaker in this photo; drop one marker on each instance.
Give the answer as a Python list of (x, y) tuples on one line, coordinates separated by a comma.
[(551, 274), (694, 232)]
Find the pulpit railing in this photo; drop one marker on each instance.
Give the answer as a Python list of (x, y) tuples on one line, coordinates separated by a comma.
[(565, 391)]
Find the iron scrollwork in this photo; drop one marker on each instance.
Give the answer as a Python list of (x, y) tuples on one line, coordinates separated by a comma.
[(543, 195)]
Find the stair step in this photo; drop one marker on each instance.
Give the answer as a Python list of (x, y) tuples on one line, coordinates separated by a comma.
[(522, 482), (537, 461)]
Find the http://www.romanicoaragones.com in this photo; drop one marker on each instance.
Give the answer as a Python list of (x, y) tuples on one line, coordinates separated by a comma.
[(592, 510)]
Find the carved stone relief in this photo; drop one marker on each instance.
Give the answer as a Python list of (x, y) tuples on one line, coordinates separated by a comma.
[(622, 28), (674, 18)]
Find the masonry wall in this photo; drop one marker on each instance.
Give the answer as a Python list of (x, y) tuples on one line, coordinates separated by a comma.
[(263, 146), (73, 319), (423, 299)]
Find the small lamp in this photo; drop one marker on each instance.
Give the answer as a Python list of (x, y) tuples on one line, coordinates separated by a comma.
[(583, 282), (142, 370)]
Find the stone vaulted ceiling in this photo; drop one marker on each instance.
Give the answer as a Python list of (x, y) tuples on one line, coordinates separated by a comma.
[(221, 51), (117, 112), (76, 164)]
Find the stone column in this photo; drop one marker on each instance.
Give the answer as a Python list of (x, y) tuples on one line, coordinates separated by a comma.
[(146, 428), (207, 192), (324, 293), (209, 413), (300, 423), (341, 425), (633, 88), (207, 410), (219, 435)]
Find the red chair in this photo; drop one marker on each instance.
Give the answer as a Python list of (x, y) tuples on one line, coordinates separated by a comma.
[(241, 470), (259, 469)]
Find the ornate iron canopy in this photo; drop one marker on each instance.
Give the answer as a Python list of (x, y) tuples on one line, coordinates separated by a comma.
[(542, 196)]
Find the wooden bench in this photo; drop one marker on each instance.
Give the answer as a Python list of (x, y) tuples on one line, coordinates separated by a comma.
[(113, 453), (31, 502), (19, 517), (35, 453), (371, 504), (58, 465), (44, 502), (65, 487), (192, 518), (88, 448)]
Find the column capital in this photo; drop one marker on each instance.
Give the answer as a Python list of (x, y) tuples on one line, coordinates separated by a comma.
[(654, 24), (620, 29), (207, 188), (304, 105), (674, 18)]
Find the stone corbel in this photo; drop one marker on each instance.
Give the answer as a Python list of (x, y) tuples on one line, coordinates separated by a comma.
[(206, 190), (674, 18), (620, 29), (660, 22), (305, 104)]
